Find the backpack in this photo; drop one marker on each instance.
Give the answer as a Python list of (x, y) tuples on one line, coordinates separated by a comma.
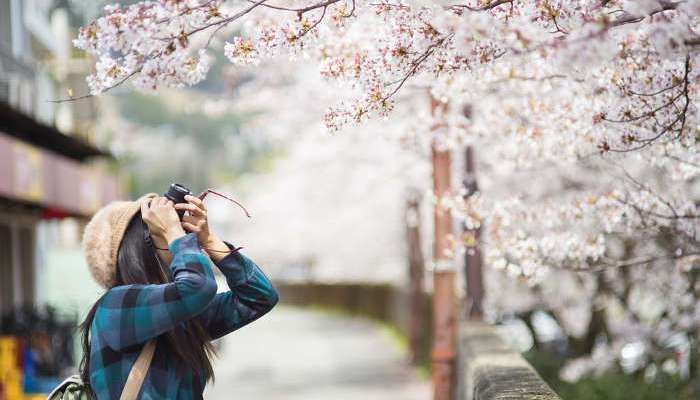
[(73, 388)]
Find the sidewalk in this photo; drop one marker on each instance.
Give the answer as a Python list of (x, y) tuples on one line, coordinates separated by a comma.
[(295, 354)]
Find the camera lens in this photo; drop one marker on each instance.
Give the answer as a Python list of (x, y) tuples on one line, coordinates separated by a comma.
[(177, 193)]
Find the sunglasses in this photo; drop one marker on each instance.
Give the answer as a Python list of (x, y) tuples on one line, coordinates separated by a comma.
[(214, 192)]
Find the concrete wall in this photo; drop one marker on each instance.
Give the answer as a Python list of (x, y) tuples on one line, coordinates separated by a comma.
[(490, 370)]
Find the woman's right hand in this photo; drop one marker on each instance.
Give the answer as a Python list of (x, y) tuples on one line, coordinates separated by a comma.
[(162, 219)]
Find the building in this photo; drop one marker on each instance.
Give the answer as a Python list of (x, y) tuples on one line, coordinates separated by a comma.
[(50, 167)]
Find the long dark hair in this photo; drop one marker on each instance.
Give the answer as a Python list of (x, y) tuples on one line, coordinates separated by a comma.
[(138, 263)]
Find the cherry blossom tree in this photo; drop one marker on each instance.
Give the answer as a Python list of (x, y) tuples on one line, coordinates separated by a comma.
[(584, 114)]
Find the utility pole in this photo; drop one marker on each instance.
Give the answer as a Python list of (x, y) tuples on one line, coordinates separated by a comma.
[(416, 266), (472, 258), (443, 352)]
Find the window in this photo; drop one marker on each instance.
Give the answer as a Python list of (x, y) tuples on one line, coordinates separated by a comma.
[(17, 261), (6, 280), (26, 256)]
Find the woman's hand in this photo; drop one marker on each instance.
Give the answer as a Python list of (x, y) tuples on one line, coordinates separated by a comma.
[(196, 221), (161, 218), (196, 218)]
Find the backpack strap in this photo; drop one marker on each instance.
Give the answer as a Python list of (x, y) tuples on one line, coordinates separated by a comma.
[(138, 372)]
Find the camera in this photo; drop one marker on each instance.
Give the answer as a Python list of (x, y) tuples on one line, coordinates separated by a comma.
[(176, 193)]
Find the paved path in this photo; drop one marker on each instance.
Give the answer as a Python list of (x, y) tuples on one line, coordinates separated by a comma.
[(295, 354)]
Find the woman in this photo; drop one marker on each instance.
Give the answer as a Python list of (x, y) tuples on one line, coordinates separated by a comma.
[(160, 285)]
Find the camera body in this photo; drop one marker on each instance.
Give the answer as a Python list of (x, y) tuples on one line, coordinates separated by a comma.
[(176, 193)]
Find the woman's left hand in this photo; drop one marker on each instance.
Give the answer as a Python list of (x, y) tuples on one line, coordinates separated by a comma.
[(196, 219), (196, 222)]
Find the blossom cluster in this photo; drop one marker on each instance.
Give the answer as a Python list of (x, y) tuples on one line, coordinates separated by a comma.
[(149, 42)]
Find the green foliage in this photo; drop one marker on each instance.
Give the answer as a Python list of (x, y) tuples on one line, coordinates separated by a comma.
[(194, 148), (153, 112), (611, 386), (265, 162)]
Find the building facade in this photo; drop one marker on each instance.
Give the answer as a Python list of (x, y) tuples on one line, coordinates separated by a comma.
[(50, 168)]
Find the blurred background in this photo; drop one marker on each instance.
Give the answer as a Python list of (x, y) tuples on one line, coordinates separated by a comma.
[(339, 222)]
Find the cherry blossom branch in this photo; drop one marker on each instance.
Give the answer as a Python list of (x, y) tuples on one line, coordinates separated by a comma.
[(645, 260), (664, 5), (680, 160), (607, 263), (225, 21), (89, 95), (302, 10), (416, 63), (645, 115), (625, 19), (656, 93), (186, 11), (681, 115), (645, 188), (490, 6)]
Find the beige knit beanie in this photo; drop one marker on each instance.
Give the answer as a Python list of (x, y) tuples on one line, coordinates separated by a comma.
[(102, 237)]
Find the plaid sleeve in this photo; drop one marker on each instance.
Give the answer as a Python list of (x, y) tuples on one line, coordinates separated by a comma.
[(129, 315), (251, 295)]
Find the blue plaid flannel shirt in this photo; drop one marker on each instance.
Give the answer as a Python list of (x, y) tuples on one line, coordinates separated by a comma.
[(128, 316)]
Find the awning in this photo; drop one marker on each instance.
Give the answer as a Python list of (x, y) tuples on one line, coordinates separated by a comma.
[(21, 126), (58, 184)]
